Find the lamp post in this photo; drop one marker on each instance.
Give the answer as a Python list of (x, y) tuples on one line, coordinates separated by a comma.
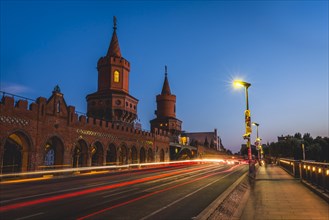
[(256, 124), (236, 84), (257, 142)]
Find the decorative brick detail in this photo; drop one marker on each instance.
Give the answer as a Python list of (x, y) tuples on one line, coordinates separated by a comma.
[(97, 134), (13, 120)]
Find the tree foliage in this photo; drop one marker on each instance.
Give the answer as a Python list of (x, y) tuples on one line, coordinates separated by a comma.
[(291, 147)]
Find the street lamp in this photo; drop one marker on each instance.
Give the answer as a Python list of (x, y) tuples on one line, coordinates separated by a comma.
[(257, 142), (239, 84), (256, 124)]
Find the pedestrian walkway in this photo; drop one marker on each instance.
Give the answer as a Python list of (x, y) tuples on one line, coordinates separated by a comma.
[(274, 194)]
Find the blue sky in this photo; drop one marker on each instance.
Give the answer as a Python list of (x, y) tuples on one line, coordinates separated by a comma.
[(280, 47)]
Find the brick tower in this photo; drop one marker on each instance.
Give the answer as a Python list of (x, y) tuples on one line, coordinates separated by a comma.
[(112, 101), (166, 111)]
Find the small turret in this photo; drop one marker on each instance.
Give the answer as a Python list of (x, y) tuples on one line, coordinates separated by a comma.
[(166, 110)]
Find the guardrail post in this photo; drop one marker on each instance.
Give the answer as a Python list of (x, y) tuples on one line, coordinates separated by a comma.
[(300, 171), (323, 168), (325, 178)]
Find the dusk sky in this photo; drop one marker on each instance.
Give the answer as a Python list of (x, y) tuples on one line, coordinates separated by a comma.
[(280, 47)]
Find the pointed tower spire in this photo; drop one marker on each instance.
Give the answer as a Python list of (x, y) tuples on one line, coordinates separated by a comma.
[(114, 49), (166, 111), (166, 87)]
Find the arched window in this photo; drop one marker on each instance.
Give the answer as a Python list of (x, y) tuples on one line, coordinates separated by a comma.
[(116, 76), (58, 106)]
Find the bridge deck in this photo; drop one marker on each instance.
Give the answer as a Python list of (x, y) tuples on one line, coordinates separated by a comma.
[(276, 195)]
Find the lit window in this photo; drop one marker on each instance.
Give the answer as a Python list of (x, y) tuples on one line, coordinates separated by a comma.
[(116, 76)]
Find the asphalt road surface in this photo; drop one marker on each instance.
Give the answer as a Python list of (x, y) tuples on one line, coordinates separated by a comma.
[(167, 192)]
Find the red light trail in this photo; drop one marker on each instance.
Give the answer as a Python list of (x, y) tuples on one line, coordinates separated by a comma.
[(88, 191), (154, 193)]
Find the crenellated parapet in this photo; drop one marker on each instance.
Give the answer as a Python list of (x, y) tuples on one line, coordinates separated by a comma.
[(55, 109), (119, 61)]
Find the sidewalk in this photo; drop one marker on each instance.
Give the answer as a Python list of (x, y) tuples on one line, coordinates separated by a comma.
[(274, 194)]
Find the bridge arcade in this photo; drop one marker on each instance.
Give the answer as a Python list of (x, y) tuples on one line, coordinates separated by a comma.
[(51, 135)]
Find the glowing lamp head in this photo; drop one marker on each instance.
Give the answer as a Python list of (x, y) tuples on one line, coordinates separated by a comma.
[(239, 84)]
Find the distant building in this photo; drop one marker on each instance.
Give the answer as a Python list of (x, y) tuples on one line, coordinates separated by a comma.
[(283, 138), (207, 139)]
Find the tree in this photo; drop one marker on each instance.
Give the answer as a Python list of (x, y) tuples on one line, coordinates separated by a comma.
[(307, 138), (206, 143), (212, 144), (194, 143), (291, 147), (324, 145), (298, 135), (229, 152)]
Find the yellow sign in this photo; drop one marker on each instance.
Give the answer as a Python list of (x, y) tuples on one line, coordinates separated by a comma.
[(247, 113), (248, 130), (247, 121)]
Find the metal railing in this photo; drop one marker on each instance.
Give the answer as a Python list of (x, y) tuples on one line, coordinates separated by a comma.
[(315, 173), (16, 97)]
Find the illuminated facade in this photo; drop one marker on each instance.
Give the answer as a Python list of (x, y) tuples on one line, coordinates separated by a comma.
[(112, 101), (47, 133)]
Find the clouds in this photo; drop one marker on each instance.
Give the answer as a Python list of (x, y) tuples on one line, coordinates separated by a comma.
[(14, 88)]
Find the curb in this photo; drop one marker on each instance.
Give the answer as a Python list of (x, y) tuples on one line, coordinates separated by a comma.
[(315, 190), (321, 193), (238, 213), (206, 213)]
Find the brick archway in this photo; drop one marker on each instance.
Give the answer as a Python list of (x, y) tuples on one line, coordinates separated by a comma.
[(123, 154), (162, 155), (96, 152), (134, 155), (150, 156), (53, 154), (16, 153), (80, 154), (111, 155), (142, 155)]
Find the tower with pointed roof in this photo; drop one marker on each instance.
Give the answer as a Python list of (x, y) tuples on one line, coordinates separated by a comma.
[(166, 111), (112, 101)]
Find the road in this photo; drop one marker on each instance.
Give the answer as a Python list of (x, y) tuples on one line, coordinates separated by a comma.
[(178, 191)]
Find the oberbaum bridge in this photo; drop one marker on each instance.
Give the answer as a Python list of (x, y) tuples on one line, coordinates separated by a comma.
[(47, 133)]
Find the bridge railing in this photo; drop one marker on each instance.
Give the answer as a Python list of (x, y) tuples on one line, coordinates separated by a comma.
[(315, 173)]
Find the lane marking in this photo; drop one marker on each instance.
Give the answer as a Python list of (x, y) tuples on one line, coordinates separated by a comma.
[(151, 194), (148, 189), (188, 195), (180, 180), (118, 193), (30, 216)]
